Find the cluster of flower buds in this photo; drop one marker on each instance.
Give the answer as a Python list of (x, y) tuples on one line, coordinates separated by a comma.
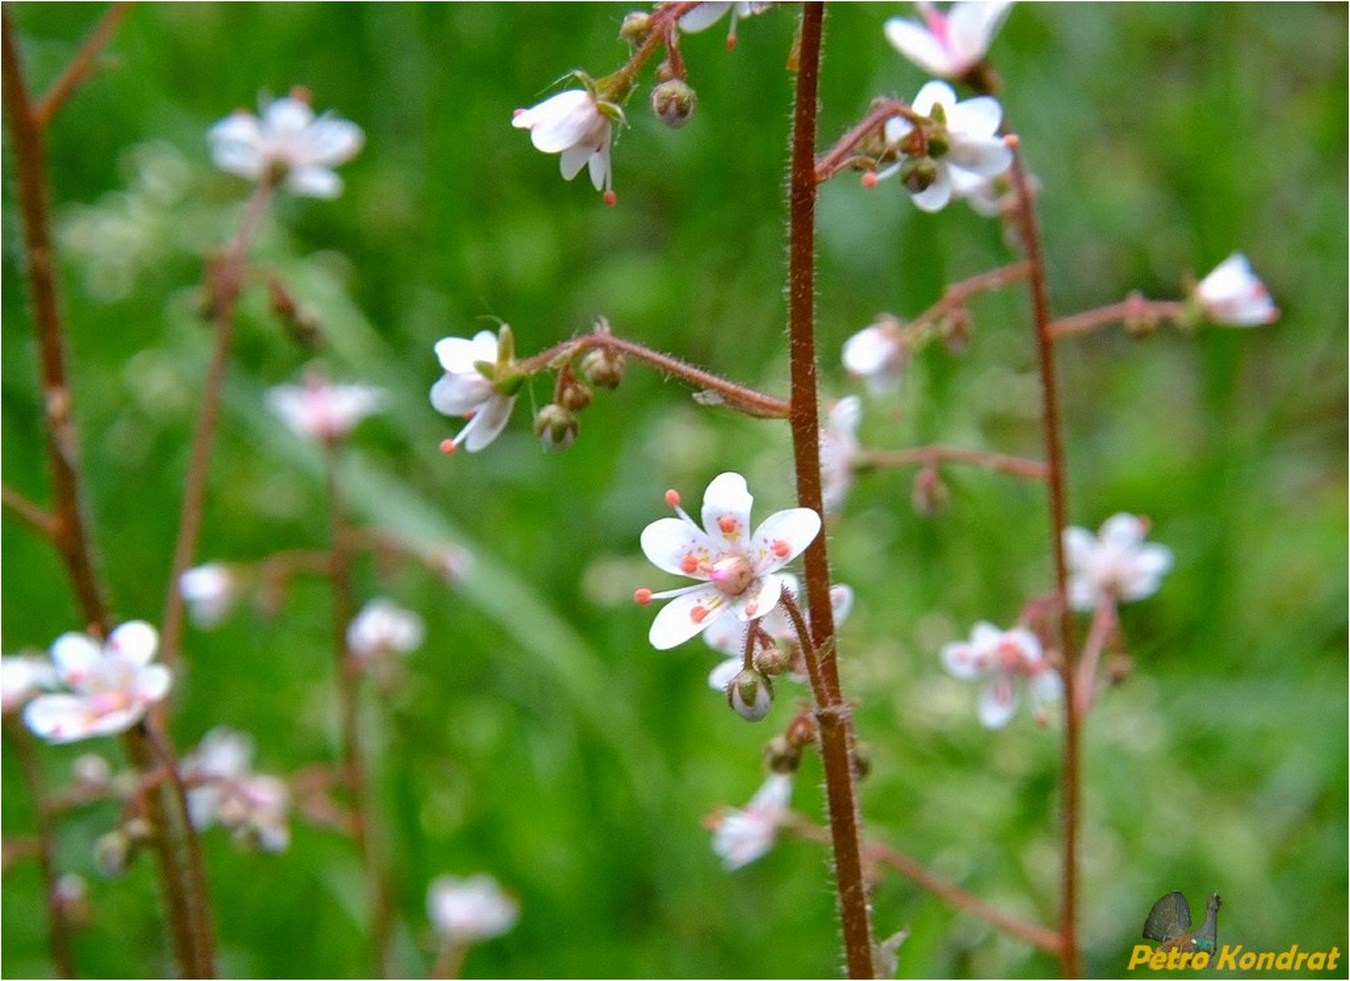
[(557, 423)]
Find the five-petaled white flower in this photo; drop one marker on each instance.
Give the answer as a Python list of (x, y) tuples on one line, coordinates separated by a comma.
[(1115, 565), (465, 911), (210, 591), (22, 676), (384, 627), (1003, 656), (580, 127), (838, 445), (728, 637), (288, 145), (741, 836), (111, 684), (1233, 295), (737, 571), (322, 410), (465, 391), (963, 144), (877, 354), (222, 788), (948, 45)]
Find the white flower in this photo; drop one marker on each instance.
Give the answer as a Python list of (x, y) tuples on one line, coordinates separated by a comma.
[(210, 591), (466, 391), (704, 15), (384, 627), (963, 145), (741, 836), (322, 410), (464, 911), (580, 127), (23, 676), (111, 685), (1232, 295), (1115, 564), (223, 789), (948, 45), (737, 571), (728, 637), (1003, 656), (287, 144), (877, 354), (838, 444)]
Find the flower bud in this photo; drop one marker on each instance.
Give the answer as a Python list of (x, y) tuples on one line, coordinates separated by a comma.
[(574, 396), (555, 426), (674, 102), (71, 893), (635, 27), (776, 659), (603, 368), (91, 771), (781, 756), (750, 694), (112, 853), (918, 174)]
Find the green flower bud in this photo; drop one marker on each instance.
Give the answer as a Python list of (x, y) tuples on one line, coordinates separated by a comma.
[(750, 694), (574, 396), (635, 27), (555, 426), (674, 102), (602, 368)]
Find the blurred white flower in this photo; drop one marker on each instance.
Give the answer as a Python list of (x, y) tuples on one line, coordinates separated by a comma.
[(465, 911), (111, 684), (465, 391), (948, 45), (741, 836), (22, 676), (579, 126), (210, 591), (383, 627), (877, 354), (288, 145), (737, 571), (1233, 295), (963, 144), (224, 789), (1004, 656), (838, 444), (1115, 564), (323, 410)]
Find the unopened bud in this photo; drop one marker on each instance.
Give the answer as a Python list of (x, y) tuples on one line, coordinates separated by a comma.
[(918, 174), (781, 756), (674, 102), (574, 396), (112, 852), (603, 368), (750, 694), (635, 27), (300, 321), (91, 771), (775, 659), (71, 893), (555, 426)]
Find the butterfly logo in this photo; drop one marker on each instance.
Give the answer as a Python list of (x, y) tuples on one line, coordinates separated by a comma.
[(1169, 923)]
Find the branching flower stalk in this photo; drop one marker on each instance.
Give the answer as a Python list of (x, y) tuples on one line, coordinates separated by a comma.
[(349, 711), (932, 456), (832, 714), (182, 883)]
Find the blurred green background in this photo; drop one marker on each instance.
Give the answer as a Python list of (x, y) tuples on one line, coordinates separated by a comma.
[(536, 735)]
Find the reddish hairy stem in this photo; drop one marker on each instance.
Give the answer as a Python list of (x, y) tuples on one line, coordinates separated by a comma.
[(957, 293), (62, 89), (41, 520), (832, 714), (1104, 623), (349, 700), (840, 155), (1133, 308), (1071, 764)]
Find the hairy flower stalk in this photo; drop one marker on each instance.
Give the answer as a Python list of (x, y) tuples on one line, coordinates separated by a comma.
[(836, 730)]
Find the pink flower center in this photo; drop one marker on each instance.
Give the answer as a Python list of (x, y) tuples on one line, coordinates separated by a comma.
[(732, 574)]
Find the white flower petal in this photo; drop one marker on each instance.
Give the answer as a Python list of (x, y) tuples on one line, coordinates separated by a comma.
[(689, 612), (963, 660), (726, 511), (74, 656), (782, 537), (998, 702), (487, 423), (314, 182), (58, 718), (560, 121), (975, 117), (918, 44), (936, 195), (934, 94), (721, 676), (669, 544), (759, 599)]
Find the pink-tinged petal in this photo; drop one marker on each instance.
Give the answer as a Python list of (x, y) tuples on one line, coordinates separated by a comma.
[(314, 182), (58, 718), (1026, 642), (963, 660), (720, 676), (599, 167), (116, 721), (782, 537), (677, 546), (773, 795), (457, 395), (936, 195), (685, 615), (74, 656), (917, 43), (998, 703), (985, 636), (970, 29), (573, 159), (726, 512), (560, 121), (1046, 686), (487, 423), (759, 599), (134, 641), (933, 94), (975, 117)]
